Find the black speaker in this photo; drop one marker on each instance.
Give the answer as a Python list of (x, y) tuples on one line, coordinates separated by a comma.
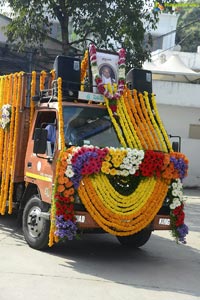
[(68, 68), (139, 79)]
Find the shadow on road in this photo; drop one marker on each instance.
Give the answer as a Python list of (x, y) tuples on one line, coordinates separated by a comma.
[(160, 265)]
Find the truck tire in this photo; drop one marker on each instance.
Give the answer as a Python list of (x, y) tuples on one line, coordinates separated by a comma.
[(35, 228), (136, 240)]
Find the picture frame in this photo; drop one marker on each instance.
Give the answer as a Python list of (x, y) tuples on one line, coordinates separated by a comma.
[(107, 63)]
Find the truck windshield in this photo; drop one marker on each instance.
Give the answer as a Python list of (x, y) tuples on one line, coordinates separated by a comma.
[(88, 126)]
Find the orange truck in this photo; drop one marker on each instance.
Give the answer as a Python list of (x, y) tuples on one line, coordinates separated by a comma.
[(74, 160)]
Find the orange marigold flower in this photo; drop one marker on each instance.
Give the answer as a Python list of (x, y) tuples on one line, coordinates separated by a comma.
[(61, 180), (60, 188)]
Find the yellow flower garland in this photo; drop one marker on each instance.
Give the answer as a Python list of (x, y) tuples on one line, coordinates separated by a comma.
[(43, 76), (52, 236), (60, 113), (124, 205), (84, 67), (155, 142), (15, 134), (163, 131), (128, 129), (115, 124), (112, 222), (128, 101), (33, 91)]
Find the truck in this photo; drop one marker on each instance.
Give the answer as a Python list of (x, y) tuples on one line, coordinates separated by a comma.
[(79, 156)]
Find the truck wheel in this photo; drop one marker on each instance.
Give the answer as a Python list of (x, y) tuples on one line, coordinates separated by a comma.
[(136, 240), (36, 228)]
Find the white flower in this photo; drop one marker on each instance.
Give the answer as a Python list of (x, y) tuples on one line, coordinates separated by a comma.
[(176, 202), (141, 154), (69, 172), (69, 159), (126, 160), (132, 171), (172, 206), (174, 185), (175, 193), (180, 193), (122, 166), (124, 173)]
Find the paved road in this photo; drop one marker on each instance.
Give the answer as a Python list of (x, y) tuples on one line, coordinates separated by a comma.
[(97, 267)]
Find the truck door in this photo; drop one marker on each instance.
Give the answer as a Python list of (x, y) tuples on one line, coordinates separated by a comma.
[(39, 168)]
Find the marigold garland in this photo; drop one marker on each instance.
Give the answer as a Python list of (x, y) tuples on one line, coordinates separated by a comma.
[(80, 169), (115, 124), (129, 131), (43, 76), (163, 131), (116, 225), (151, 130), (33, 92), (60, 114), (84, 68)]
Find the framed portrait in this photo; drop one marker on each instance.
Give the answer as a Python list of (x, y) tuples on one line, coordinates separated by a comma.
[(107, 63)]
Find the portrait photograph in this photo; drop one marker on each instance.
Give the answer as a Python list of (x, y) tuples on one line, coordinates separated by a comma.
[(107, 63)]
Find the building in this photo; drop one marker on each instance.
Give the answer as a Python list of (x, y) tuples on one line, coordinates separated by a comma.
[(11, 60), (176, 83)]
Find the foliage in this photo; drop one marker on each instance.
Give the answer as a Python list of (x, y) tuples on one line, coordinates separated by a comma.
[(110, 24), (188, 34)]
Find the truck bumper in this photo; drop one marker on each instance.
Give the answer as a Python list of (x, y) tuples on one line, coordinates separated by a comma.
[(85, 221)]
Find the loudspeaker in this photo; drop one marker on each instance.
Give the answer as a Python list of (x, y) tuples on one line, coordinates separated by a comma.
[(139, 79), (68, 68)]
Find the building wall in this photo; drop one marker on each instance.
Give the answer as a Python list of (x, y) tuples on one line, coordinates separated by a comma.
[(164, 35), (179, 107)]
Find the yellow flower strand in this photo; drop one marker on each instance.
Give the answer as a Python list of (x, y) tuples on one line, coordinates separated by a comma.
[(140, 126), (128, 101), (154, 139), (18, 100), (33, 92), (129, 205), (60, 114), (143, 122), (164, 133), (53, 75), (13, 132), (155, 125), (2, 83), (136, 120), (43, 76), (128, 129), (9, 153), (3, 179), (84, 68), (128, 227), (125, 200), (115, 124), (6, 152), (52, 237)]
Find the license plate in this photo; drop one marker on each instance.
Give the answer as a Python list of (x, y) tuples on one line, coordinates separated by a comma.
[(164, 221), (80, 219)]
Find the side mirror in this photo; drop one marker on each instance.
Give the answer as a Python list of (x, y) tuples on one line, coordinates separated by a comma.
[(40, 141)]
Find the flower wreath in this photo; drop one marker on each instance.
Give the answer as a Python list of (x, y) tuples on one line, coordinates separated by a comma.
[(121, 81)]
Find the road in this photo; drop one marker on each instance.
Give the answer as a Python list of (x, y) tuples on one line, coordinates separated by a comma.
[(97, 267)]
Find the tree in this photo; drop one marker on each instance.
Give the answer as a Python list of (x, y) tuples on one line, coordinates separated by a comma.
[(110, 24), (188, 34)]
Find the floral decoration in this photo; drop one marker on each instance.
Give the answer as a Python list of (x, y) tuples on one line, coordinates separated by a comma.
[(146, 157), (5, 116), (89, 160), (77, 163), (176, 204), (101, 87)]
